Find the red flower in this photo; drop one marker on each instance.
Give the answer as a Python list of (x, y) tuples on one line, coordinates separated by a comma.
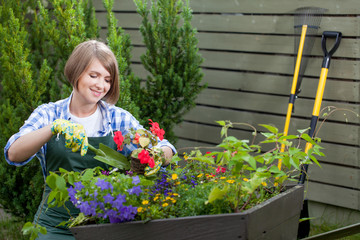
[(220, 170), (119, 139), (145, 158), (151, 162), (155, 129), (136, 139)]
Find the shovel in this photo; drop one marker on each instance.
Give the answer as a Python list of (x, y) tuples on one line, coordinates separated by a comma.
[(304, 227), (320, 89)]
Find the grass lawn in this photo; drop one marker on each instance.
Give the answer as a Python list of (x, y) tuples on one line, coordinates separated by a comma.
[(10, 229)]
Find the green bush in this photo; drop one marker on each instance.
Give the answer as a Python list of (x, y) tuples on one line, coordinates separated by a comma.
[(172, 61)]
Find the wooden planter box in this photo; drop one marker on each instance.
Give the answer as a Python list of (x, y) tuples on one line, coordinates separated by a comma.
[(276, 218)]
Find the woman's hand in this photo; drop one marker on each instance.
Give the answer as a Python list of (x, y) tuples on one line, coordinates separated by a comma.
[(168, 154), (74, 133)]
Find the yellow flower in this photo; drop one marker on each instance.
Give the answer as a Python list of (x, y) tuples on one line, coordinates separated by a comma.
[(264, 184), (140, 209), (230, 181), (156, 198), (174, 176), (177, 183), (223, 178), (245, 179), (276, 184), (175, 194), (200, 175), (167, 198), (145, 202), (165, 204)]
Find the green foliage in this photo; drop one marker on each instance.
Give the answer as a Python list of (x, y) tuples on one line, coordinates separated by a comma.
[(254, 174), (33, 230), (172, 61)]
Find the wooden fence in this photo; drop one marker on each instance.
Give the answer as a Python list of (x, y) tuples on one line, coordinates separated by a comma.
[(248, 47)]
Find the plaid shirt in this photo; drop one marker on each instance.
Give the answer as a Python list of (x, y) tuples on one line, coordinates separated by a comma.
[(114, 118)]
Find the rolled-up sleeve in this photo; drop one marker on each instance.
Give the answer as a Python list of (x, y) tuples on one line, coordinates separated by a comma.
[(38, 119)]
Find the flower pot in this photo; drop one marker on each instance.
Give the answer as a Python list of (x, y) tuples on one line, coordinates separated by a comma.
[(136, 166), (276, 218)]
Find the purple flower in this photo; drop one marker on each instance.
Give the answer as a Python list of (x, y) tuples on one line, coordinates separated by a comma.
[(85, 208), (78, 186), (103, 185), (72, 193), (95, 193), (135, 190), (118, 202), (136, 180), (107, 173), (114, 219), (108, 198)]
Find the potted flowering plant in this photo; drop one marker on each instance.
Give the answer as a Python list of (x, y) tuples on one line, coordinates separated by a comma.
[(230, 193), (146, 159)]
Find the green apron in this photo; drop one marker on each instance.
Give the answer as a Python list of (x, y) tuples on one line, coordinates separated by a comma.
[(57, 156)]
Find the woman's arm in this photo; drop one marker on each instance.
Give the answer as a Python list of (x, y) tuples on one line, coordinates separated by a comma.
[(29, 144)]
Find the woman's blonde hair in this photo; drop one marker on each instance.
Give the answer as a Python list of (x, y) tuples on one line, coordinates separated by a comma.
[(81, 58)]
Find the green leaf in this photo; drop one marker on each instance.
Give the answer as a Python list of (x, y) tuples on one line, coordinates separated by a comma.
[(217, 193), (221, 123), (88, 175), (71, 179), (78, 220), (144, 142), (51, 181), (113, 158), (307, 138), (289, 137), (315, 161), (223, 132), (301, 131), (60, 183), (28, 226), (63, 170), (268, 135), (270, 128), (208, 160), (43, 230), (51, 197), (251, 160), (275, 169)]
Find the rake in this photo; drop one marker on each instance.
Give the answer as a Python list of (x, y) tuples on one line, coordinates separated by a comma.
[(306, 24)]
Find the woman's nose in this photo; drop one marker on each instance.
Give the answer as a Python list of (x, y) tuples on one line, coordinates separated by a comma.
[(100, 83)]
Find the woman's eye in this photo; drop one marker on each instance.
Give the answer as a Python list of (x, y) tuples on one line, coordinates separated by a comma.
[(93, 76), (108, 80)]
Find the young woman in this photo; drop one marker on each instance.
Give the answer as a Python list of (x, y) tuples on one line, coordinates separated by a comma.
[(55, 131)]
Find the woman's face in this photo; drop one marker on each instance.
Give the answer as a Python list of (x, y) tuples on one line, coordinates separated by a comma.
[(93, 84)]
